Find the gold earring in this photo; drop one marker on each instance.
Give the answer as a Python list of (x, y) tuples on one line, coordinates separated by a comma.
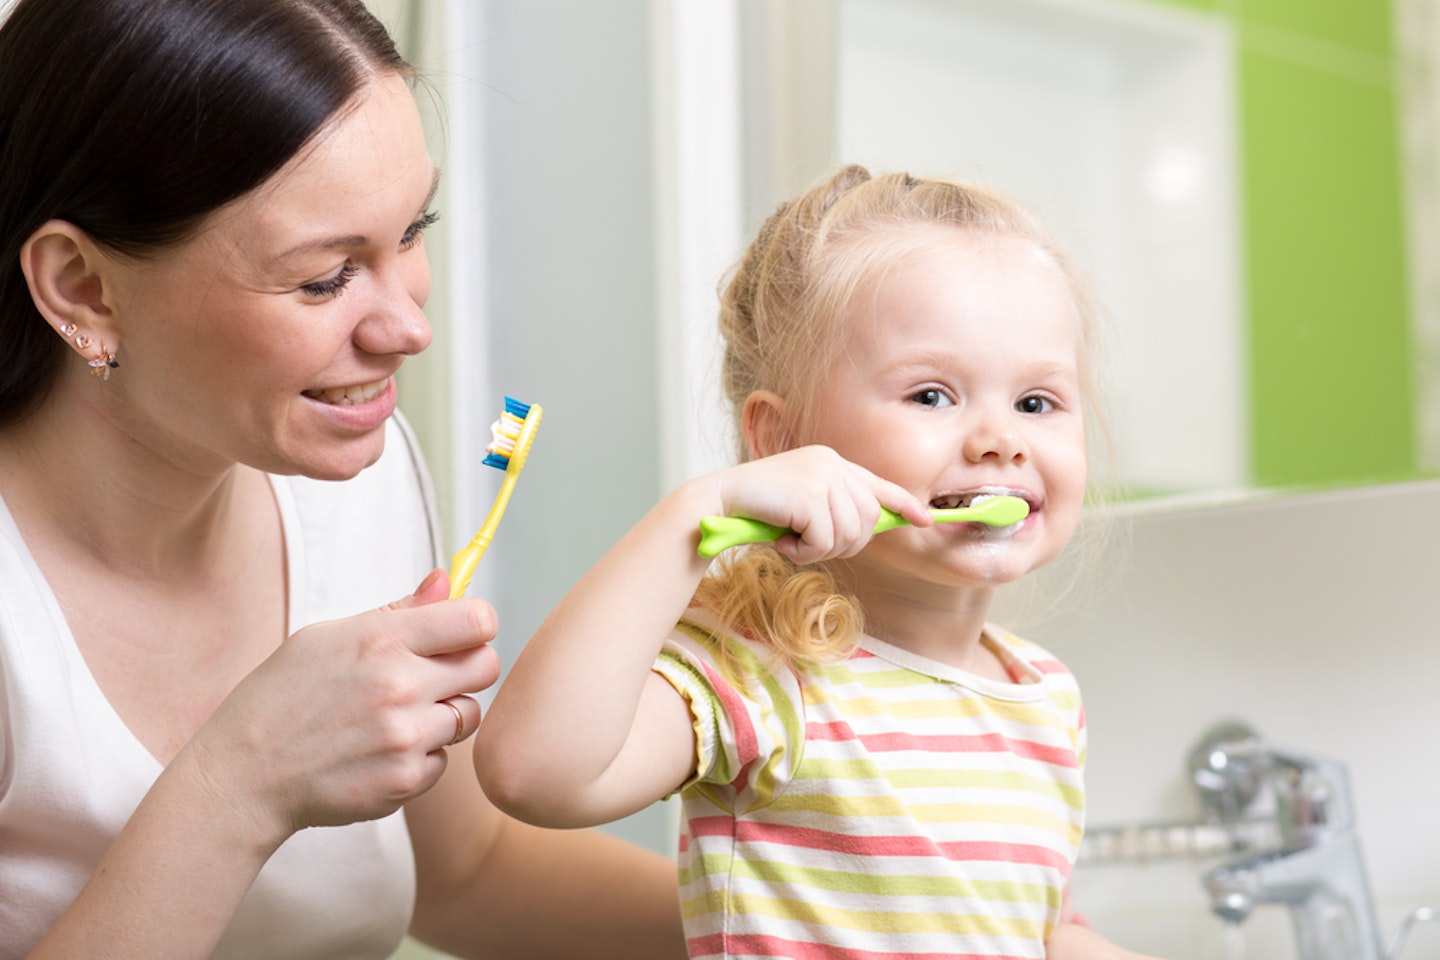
[(67, 330), (103, 364), (82, 341)]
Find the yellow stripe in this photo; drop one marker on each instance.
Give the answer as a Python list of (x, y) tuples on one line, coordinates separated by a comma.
[(998, 814), (896, 885), (861, 770), (944, 707), (893, 923)]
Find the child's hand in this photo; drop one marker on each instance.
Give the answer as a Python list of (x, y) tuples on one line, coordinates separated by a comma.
[(1070, 941), (830, 503)]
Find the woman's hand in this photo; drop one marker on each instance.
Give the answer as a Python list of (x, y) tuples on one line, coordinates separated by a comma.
[(830, 503), (345, 722)]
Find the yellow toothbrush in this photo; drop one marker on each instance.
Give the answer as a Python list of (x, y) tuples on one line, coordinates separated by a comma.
[(722, 533), (511, 437)]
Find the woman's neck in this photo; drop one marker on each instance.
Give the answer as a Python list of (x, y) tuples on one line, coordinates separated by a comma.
[(82, 483)]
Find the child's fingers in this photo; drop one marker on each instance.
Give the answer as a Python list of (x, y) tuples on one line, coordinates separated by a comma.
[(902, 501)]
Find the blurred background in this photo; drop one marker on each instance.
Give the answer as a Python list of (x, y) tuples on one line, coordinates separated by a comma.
[(1253, 187)]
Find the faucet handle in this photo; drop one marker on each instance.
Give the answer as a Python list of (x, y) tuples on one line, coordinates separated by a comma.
[(1227, 767), (1312, 798)]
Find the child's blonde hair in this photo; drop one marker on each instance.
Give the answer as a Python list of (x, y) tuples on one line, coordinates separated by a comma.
[(781, 313)]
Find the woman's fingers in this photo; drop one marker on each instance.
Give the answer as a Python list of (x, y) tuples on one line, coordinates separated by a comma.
[(349, 718), (461, 719)]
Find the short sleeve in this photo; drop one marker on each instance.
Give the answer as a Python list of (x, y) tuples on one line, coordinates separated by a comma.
[(1060, 685), (749, 729)]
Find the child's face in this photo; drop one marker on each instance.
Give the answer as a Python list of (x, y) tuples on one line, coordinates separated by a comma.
[(961, 374)]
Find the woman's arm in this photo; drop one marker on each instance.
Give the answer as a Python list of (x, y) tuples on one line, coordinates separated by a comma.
[(582, 732), (492, 887), (289, 748)]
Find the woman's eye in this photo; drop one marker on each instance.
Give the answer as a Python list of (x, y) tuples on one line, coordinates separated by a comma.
[(1034, 404), (417, 230), (331, 286), (930, 397)]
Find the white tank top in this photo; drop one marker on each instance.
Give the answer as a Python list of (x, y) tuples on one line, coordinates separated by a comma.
[(71, 773)]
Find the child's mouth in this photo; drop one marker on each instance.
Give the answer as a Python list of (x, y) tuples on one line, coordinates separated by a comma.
[(954, 500)]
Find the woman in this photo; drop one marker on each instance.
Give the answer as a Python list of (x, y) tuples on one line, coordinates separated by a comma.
[(212, 217)]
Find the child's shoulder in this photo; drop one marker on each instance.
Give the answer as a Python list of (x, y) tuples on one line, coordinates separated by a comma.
[(1028, 652), (739, 661)]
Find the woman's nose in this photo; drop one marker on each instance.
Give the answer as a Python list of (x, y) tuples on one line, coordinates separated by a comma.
[(396, 321)]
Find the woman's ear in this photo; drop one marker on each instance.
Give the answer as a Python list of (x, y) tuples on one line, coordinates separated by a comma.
[(66, 273), (764, 424)]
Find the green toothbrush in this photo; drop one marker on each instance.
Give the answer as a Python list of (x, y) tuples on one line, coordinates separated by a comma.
[(722, 533)]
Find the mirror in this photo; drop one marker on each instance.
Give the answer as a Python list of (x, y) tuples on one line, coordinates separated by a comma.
[(1239, 205)]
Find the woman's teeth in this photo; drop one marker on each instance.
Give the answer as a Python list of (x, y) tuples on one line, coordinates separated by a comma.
[(346, 396)]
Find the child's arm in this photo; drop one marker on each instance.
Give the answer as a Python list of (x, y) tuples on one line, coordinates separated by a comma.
[(581, 731)]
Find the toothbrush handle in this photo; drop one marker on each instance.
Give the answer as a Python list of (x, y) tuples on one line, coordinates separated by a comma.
[(721, 533), (463, 564)]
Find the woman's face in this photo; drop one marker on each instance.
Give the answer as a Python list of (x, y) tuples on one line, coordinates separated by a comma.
[(273, 336)]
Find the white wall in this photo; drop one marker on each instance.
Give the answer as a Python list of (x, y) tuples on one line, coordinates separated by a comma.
[(1115, 122), (1314, 617)]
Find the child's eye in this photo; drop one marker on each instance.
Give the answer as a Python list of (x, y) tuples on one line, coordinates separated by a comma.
[(331, 286), (417, 230), (1034, 404), (930, 397)]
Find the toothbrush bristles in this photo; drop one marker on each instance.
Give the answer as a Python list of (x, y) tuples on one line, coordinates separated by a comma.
[(504, 433)]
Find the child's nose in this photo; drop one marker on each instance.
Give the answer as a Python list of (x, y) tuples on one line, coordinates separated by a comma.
[(994, 437)]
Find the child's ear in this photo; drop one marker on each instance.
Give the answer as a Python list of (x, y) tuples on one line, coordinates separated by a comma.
[(66, 272), (764, 424)]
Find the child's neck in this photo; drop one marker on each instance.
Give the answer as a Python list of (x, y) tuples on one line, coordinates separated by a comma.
[(944, 625)]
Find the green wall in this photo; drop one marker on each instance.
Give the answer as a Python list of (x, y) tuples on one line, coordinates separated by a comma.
[(1331, 378)]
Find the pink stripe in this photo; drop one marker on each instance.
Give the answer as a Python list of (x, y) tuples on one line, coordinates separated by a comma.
[(886, 846), (756, 945), (1050, 666), (839, 732), (746, 743), (720, 826)]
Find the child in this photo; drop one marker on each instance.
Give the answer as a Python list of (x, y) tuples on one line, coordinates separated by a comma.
[(867, 767)]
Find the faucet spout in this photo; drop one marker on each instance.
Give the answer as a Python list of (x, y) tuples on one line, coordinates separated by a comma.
[(1317, 870), (1323, 885)]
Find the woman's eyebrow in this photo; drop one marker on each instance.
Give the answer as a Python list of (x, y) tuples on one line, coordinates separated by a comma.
[(354, 239)]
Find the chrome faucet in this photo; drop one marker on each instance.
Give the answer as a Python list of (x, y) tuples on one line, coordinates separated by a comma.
[(1316, 869)]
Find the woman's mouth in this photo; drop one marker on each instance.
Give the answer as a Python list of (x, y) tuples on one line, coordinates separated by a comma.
[(348, 396)]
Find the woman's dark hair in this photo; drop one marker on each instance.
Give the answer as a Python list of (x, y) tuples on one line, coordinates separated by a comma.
[(134, 119)]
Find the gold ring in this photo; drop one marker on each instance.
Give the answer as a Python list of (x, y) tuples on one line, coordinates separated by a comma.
[(459, 723)]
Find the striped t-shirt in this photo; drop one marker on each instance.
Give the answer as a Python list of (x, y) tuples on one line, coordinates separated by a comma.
[(886, 806)]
